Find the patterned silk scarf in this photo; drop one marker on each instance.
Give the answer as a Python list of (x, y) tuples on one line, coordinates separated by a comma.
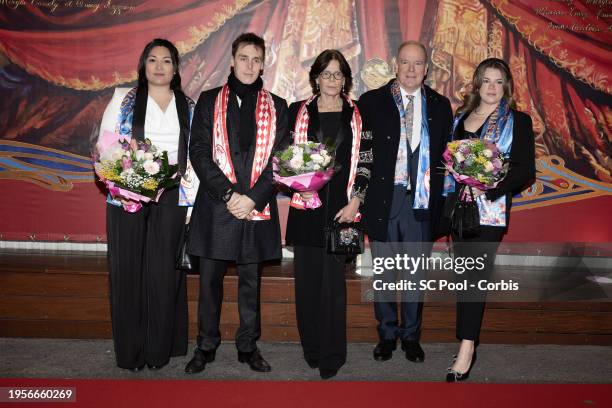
[(300, 135), (265, 117), (421, 193), (497, 129)]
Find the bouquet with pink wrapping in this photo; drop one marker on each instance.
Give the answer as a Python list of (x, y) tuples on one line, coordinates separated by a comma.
[(304, 167), (134, 171), (475, 163)]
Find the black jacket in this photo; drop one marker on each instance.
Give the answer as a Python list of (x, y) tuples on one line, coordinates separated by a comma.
[(381, 117), (306, 227), (215, 233), (522, 162)]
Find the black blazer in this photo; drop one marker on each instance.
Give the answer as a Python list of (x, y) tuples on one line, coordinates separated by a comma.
[(521, 173), (215, 232), (381, 117)]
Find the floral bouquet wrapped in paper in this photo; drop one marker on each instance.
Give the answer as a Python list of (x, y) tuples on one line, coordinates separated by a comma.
[(134, 171), (305, 167), (475, 163)]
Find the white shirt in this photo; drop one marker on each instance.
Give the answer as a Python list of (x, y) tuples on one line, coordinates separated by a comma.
[(163, 128), (417, 120)]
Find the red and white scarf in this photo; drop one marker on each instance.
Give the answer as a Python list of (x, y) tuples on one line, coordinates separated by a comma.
[(300, 135), (265, 117)]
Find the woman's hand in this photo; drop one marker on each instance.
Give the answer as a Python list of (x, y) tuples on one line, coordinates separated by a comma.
[(349, 211), (306, 195), (466, 196)]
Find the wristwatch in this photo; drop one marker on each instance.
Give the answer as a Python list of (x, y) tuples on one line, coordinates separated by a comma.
[(227, 195)]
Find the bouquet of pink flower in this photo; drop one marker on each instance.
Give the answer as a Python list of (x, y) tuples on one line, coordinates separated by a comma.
[(135, 171), (475, 163), (304, 167)]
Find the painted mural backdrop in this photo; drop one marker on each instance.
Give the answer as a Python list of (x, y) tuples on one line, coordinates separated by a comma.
[(61, 59)]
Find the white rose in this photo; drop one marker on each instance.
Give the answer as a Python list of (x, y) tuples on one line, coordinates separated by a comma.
[(459, 157), (316, 167), (487, 153), (326, 160), (151, 167), (148, 156), (323, 152), (317, 158), (116, 154), (488, 166), (297, 162), (140, 154)]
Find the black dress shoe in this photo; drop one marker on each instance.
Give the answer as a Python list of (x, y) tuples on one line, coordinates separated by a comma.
[(413, 351), (255, 361), (199, 360), (327, 373), (137, 369), (312, 363), (453, 376), (384, 350)]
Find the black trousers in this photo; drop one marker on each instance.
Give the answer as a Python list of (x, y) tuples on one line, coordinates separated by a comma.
[(403, 227), (471, 303), (211, 297), (148, 296), (320, 305)]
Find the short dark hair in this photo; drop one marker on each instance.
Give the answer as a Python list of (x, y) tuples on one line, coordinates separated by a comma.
[(175, 84), (322, 61), (249, 39)]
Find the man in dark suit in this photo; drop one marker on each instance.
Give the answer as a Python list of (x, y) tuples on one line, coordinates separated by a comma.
[(235, 130), (409, 124)]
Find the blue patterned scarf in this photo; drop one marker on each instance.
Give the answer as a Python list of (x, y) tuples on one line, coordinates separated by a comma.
[(421, 193), (497, 129)]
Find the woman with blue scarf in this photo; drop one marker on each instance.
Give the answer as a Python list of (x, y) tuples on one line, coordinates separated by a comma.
[(148, 295), (487, 113)]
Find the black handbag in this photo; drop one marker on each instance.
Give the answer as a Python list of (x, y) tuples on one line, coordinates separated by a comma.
[(184, 260), (465, 218), (344, 238)]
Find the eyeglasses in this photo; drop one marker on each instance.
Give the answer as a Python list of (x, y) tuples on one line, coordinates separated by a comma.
[(328, 75)]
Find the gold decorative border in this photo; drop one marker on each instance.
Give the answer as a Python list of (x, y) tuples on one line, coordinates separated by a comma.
[(546, 46), (196, 36)]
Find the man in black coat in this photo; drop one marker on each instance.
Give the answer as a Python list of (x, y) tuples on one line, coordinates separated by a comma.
[(409, 124), (235, 130)]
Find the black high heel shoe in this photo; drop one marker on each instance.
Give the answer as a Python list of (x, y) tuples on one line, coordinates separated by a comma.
[(453, 376)]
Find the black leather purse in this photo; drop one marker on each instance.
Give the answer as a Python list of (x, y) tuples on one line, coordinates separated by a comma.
[(184, 260), (344, 238), (465, 218)]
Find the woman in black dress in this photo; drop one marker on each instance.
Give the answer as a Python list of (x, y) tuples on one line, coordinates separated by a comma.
[(320, 286), (487, 113)]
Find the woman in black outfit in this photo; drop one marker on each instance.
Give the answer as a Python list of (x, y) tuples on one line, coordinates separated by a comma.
[(320, 285), (487, 113), (148, 295)]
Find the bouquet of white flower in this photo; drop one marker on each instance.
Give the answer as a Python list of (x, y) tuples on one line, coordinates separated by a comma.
[(305, 167), (135, 171)]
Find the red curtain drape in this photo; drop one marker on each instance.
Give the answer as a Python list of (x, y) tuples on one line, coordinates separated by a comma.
[(580, 45), (73, 58)]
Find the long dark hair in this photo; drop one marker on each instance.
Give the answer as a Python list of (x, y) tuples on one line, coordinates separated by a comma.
[(322, 61), (140, 104), (472, 99)]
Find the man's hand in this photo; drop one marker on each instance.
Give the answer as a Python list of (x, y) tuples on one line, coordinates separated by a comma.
[(349, 211), (240, 207)]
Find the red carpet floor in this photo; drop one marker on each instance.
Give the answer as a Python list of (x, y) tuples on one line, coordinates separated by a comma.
[(151, 394)]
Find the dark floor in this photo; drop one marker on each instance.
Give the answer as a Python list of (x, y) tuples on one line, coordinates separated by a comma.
[(61, 358)]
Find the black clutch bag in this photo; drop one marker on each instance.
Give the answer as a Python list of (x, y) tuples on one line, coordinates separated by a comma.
[(344, 239), (465, 218), (184, 260)]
